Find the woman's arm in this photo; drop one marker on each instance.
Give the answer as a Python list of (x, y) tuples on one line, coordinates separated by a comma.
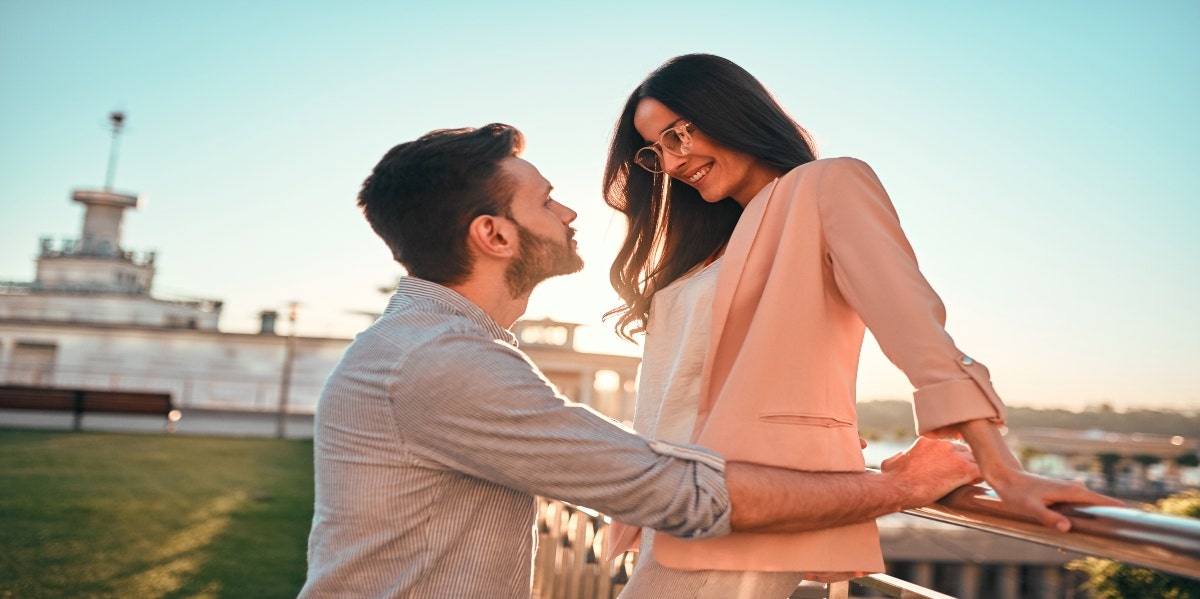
[(876, 270), (1027, 493)]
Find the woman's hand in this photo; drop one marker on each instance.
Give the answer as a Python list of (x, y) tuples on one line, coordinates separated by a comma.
[(1025, 493), (1033, 495)]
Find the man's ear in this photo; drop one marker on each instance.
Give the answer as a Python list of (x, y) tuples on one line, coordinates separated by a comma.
[(492, 236)]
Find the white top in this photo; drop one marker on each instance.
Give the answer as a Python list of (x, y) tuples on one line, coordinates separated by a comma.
[(677, 333)]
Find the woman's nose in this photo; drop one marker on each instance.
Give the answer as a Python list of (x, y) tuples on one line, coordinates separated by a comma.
[(671, 162)]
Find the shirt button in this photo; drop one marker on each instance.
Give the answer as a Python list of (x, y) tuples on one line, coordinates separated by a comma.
[(967, 361)]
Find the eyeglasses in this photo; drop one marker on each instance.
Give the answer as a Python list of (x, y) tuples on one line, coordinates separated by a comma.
[(676, 140)]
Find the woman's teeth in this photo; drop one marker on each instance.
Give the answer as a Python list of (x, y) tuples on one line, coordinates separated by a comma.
[(699, 174)]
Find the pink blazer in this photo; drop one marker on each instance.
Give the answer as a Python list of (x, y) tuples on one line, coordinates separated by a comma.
[(817, 253)]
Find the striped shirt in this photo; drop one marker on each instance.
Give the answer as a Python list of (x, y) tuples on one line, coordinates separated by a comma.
[(433, 435)]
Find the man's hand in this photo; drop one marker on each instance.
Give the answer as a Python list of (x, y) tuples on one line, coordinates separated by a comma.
[(929, 470), (772, 499)]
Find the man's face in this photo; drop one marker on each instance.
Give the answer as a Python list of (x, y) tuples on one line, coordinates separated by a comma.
[(546, 247)]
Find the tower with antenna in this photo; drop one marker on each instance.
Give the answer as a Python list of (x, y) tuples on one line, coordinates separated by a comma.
[(96, 262), (93, 278)]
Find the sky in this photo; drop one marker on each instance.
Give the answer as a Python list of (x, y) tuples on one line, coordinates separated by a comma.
[(1041, 155)]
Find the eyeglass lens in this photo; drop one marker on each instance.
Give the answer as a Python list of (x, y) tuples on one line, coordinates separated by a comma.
[(673, 140), (676, 140), (649, 159)]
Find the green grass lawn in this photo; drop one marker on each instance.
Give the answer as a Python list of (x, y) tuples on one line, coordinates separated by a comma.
[(147, 516)]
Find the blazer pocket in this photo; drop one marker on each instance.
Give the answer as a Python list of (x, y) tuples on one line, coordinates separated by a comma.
[(804, 419)]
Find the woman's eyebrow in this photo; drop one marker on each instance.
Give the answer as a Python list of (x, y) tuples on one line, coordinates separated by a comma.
[(673, 125), (665, 129)]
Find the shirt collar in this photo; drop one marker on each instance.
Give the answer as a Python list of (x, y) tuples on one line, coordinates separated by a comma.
[(428, 290)]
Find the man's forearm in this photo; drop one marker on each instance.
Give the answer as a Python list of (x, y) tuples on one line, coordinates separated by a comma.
[(767, 499)]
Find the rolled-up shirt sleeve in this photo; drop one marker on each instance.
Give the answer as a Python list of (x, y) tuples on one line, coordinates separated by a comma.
[(495, 418), (876, 271)]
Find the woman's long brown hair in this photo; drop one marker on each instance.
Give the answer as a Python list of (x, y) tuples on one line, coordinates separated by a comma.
[(670, 228)]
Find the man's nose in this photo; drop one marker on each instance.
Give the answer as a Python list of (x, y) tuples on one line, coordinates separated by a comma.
[(566, 214)]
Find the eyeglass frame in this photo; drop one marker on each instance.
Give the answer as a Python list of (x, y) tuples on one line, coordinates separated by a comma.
[(683, 131)]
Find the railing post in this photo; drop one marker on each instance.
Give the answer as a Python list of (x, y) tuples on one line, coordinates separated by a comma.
[(922, 574), (1009, 582), (1049, 582), (78, 411), (968, 587), (839, 590)]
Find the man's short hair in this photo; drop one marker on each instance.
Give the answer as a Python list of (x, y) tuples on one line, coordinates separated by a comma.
[(423, 195)]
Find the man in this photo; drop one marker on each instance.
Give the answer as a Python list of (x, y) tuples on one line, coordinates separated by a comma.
[(434, 433)]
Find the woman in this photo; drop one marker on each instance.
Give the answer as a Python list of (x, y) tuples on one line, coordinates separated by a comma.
[(752, 268)]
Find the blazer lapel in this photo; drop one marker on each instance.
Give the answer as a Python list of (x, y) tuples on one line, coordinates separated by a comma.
[(732, 263)]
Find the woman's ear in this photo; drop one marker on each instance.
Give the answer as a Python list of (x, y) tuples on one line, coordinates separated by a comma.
[(492, 236)]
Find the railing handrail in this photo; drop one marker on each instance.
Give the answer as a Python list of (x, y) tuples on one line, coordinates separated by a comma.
[(1161, 542), (572, 536)]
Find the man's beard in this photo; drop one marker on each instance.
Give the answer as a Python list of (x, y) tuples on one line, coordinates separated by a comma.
[(540, 259)]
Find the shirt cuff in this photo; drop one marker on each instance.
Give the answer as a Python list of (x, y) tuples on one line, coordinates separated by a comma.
[(956, 401), (709, 480)]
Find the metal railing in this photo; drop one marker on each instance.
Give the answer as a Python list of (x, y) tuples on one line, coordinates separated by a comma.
[(1169, 544), (571, 540), (570, 544)]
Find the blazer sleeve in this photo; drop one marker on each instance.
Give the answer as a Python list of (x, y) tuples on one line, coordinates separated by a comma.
[(875, 270)]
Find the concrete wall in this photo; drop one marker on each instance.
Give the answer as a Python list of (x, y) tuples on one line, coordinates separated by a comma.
[(215, 370)]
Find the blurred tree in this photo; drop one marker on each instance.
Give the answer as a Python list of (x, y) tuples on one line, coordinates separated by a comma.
[(1027, 454), (1108, 465), (1188, 460), (887, 415), (1145, 461)]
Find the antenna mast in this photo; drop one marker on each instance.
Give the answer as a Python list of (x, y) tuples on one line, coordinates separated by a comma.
[(117, 118)]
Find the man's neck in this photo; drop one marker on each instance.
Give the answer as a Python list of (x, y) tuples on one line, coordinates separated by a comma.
[(496, 300)]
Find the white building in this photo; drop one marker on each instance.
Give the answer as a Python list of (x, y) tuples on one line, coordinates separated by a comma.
[(89, 320)]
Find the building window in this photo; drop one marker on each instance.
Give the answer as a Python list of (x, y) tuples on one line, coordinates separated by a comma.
[(180, 322), (553, 335), (32, 363)]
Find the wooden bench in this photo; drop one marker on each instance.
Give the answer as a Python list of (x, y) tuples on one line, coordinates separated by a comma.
[(79, 401)]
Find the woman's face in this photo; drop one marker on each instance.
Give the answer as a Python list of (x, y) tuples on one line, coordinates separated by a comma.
[(717, 172)]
